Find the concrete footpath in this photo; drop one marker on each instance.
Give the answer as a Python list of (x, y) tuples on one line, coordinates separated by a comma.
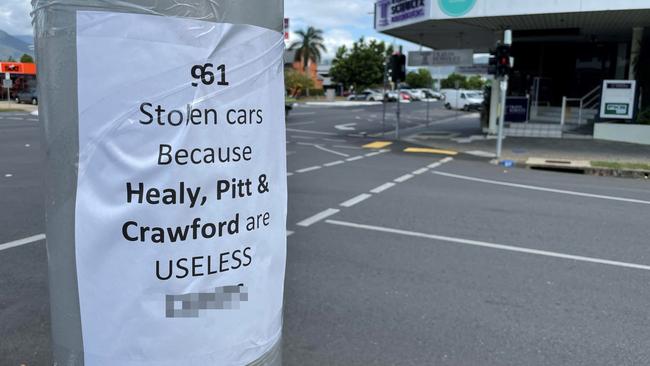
[(594, 156)]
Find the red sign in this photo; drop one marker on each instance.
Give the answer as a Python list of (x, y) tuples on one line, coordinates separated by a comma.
[(18, 68), (286, 28)]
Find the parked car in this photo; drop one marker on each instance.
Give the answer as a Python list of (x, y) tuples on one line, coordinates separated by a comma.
[(463, 99), (431, 94), (367, 95), (391, 96), (412, 96), (28, 96)]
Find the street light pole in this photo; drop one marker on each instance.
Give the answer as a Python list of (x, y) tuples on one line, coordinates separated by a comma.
[(503, 88)]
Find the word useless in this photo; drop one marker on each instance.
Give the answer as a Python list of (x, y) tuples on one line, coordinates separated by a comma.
[(196, 116)]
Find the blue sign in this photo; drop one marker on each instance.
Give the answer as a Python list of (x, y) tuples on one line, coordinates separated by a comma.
[(517, 109), (456, 8)]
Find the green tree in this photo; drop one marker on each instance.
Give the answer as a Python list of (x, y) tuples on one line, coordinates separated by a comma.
[(453, 79), (296, 82), (362, 65), (309, 47), (26, 58), (420, 79), (475, 83)]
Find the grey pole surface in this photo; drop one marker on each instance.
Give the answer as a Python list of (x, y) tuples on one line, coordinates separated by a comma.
[(503, 85), (55, 38)]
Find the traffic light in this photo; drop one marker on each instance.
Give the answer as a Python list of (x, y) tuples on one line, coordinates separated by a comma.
[(503, 62), (398, 67)]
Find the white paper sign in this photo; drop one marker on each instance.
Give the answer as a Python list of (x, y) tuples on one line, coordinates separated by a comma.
[(181, 197)]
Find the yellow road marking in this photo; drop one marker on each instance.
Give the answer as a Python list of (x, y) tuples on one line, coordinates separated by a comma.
[(429, 151), (377, 145)]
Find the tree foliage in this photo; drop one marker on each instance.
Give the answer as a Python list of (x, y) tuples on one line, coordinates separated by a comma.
[(419, 79), (26, 58), (309, 47), (472, 83), (362, 65), (296, 82)]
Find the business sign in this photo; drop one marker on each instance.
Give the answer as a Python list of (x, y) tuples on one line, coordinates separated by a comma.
[(180, 208), (398, 12), (618, 99), (18, 68), (517, 109), (462, 57), (456, 8), (476, 69)]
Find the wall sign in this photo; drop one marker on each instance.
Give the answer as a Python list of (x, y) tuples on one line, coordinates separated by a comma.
[(456, 8)]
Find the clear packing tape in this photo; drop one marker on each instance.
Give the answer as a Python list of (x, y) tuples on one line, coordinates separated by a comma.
[(55, 40)]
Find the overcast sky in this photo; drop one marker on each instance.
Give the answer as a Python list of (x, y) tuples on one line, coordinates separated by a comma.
[(342, 21)]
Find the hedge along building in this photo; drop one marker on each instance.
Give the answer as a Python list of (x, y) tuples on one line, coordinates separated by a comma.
[(561, 48)]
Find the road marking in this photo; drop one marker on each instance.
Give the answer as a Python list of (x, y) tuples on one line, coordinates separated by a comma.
[(484, 244), (482, 154), (314, 132), (27, 145), (420, 171), (302, 123), (330, 151), (333, 140), (446, 160), (347, 147), (289, 232), (404, 178), (289, 174), (19, 242), (429, 151), (318, 217), (304, 170), (353, 201), (8, 175), (382, 187), (303, 137), (434, 165), (374, 153), (334, 163), (543, 189), (377, 145), (302, 113), (346, 126), (354, 158)]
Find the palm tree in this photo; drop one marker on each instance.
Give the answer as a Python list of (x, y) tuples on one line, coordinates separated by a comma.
[(309, 47)]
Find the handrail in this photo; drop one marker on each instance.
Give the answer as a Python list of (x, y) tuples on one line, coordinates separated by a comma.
[(592, 96)]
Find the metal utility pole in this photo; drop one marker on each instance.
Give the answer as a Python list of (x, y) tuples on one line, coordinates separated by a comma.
[(383, 115), (399, 74), (108, 308)]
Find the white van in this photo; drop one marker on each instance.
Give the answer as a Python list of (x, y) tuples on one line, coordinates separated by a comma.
[(463, 99)]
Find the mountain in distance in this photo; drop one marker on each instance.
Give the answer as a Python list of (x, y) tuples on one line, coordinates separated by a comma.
[(11, 46)]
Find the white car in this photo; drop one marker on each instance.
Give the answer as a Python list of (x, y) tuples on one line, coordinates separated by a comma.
[(463, 99), (367, 95)]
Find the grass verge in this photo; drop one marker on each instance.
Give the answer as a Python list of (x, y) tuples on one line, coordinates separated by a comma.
[(620, 166)]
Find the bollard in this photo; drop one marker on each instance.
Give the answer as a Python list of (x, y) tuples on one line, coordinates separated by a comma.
[(133, 94)]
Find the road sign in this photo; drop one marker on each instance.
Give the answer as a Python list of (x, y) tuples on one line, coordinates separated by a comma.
[(460, 57), (7, 83), (618, 99)]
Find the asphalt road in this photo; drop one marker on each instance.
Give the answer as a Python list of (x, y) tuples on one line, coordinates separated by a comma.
[(399, 258)]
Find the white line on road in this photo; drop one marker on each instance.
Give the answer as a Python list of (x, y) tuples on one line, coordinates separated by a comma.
[(304, 170), (354, 158), (318, 217), (19, 242), (373, 153), (8, 175), (434, 165), (382, 187), (543, 189), (330, 151), (353, 201), (348, 147), (420, 171), (404, 178), (289, 174), (289, 232), (484, 244), (303, 137), (334, 163), (446, 160), (314, 132), (302, 113), (333, 140)]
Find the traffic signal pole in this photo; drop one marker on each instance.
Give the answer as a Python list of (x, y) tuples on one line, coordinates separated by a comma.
[(79, 332), (503, 67)]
